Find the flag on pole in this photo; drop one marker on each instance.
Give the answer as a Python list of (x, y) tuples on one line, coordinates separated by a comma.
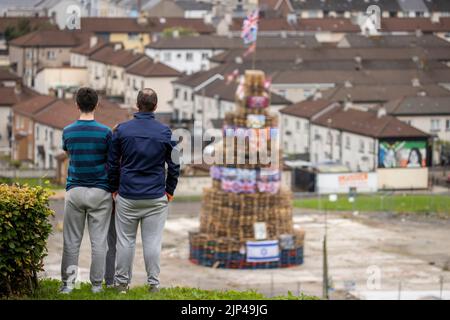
[(240, 89), (250, 27), (250, 49), (232, 76), (267, 83)]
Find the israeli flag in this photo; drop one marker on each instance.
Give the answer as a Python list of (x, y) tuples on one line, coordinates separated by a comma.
[(263, 251)]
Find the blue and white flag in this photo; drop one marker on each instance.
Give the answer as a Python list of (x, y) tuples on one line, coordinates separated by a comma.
[(263, 251)]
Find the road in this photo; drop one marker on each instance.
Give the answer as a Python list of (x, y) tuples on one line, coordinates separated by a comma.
[(369, 255)]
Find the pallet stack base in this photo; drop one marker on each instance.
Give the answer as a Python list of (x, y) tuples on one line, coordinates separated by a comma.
[(230, 254)]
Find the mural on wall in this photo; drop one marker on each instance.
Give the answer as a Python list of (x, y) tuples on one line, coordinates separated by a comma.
[(402, 154)]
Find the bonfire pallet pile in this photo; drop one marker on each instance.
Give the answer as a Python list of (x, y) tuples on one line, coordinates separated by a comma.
[(246, 216)]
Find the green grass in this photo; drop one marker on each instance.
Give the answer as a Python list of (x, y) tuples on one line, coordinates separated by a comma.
[(32, 182), (393, 203), (193, 198), (49, 290)]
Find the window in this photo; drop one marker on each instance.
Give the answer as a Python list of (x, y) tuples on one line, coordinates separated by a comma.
[(205, 56), (189, 56), (361, 146), (51, 55), (177, 93), (185, 96), (306, 126), (142, 84), (447, 125), (51, 138), (29, 55), (347, 143), (285, 121), (46, 134), (178, 55), (167, 56), (133, 36), (371, 148), (308, 93), (338, 139), (297, 125), (435, 125), (37, 133), (50, 161), (329, 138)]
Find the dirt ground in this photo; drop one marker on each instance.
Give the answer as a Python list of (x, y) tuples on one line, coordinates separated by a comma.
[(371, 256)]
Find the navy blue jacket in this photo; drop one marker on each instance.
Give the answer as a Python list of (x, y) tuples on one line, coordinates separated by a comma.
[(140, 149)]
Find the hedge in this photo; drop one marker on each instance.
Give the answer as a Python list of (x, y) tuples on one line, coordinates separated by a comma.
[(24, 229)]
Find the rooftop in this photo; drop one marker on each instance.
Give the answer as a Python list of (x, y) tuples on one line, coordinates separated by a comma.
[(132, 25), (58, 113), (366, 123), (223, 42), (118, 57), (411, 106), (50, 38), (148, 68), (306, 109), (9, 96)]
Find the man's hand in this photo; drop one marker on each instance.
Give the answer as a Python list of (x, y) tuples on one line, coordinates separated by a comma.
[(114, 195), (169, 197)]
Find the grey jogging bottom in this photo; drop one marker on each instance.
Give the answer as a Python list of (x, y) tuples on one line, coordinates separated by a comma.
[(93, 205), (152, 214)]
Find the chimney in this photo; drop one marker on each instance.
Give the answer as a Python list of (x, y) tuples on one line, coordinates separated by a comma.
[(415, 82), (348, 102), (93, 41), (358, 61), (18, 87), (176, 33), (291, 18), (228, 18), (117, 46), (142, 19), (435, 18), (381, 112)]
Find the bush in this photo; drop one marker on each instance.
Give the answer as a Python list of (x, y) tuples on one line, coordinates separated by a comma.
[(24, 229)]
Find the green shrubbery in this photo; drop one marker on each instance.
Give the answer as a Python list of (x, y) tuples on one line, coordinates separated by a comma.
[(24, 229)]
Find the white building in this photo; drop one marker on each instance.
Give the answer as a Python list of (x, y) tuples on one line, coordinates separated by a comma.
[(429, 114), (106, 69), (329, 132), (149, 74), (60, 81), (189, 54)]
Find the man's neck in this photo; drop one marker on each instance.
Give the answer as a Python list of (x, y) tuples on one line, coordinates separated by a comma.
[(87, 116)]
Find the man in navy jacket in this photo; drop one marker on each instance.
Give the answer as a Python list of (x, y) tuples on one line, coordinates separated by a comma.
[(140, 150)]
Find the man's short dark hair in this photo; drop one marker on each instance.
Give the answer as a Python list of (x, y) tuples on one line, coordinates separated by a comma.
[(147, 100), (87, 99)]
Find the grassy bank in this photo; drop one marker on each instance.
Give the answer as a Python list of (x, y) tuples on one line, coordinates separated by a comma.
[(49, 290), (391, 203)]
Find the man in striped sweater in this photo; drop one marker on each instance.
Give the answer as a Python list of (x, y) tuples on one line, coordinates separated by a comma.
[(88, 196)]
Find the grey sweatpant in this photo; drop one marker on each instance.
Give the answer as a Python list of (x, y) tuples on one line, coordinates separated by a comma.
[(93, 205), (152, 214)]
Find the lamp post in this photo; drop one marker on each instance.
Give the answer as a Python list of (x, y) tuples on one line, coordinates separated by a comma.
[(329, 121)]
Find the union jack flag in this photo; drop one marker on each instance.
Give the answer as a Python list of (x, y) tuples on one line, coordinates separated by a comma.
[(250, 27)]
